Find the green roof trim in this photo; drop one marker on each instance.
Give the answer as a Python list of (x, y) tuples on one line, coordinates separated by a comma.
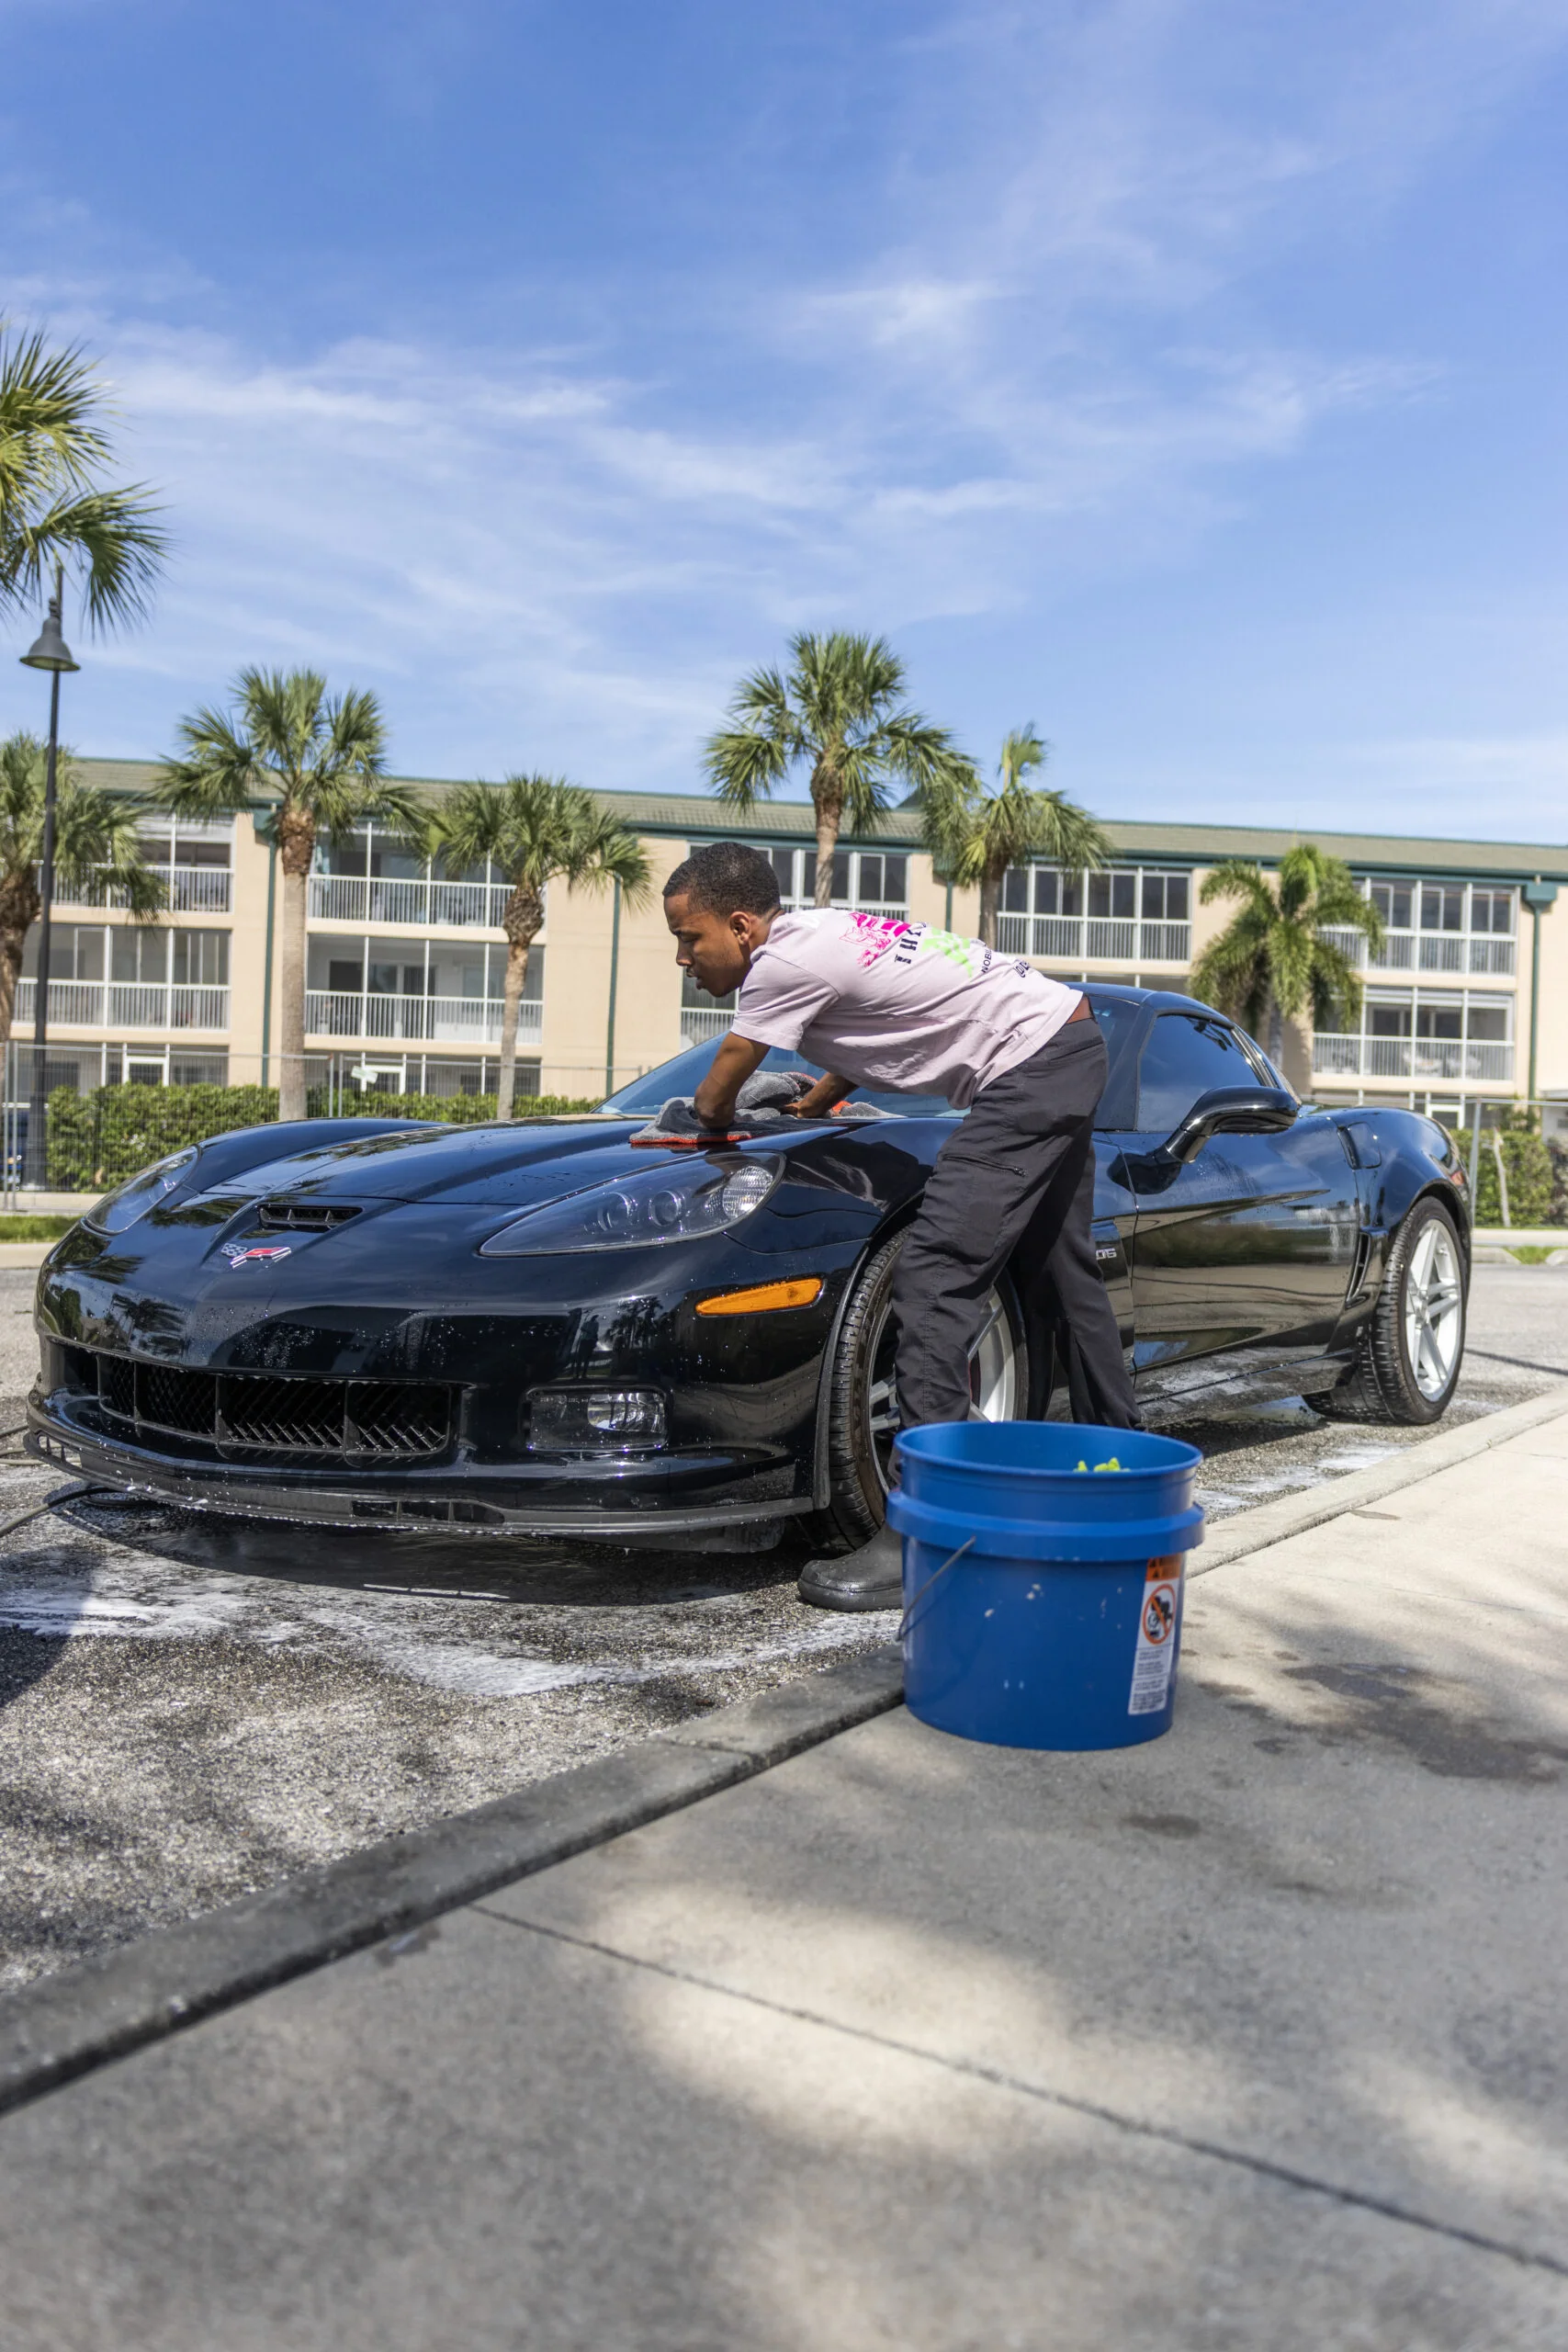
[(789, 823)]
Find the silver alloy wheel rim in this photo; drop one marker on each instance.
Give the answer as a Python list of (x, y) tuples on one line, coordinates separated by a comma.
[(993, 1378), (1434, 1309)]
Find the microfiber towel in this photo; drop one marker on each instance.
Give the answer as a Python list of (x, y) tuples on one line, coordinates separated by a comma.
[(771, 1090), (677, 1126), (767, 1089)]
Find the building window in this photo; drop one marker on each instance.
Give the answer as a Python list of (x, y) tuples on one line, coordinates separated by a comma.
[(373, 877), (130, 975), (1423, 1034), (76, 952), (1437, 927), (1130, 915), (193, 860), (448, 992), (876, 881), (200, 959)]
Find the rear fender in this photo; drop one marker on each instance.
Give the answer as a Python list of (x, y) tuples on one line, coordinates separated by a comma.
[(1394, 1202)]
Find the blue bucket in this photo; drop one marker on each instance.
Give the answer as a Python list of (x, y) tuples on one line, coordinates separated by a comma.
[(1058, 1622)]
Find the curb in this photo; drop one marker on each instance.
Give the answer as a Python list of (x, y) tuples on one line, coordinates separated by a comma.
[(1255, 1531), (119, 2002)]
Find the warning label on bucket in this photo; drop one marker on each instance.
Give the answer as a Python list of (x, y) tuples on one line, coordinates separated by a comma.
[(1155, 1653)]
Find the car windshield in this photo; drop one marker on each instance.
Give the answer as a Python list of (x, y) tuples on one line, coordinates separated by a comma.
[(686, 1072), (1117, 1017)]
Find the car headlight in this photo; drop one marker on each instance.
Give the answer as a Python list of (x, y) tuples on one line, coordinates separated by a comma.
[(679, 1204), (123, 1207)]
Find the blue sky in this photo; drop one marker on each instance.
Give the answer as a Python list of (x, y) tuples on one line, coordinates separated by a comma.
[(1185, 376)]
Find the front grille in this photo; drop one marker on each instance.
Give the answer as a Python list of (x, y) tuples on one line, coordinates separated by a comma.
[(284, 1215), (248, 1413), (117, 1387), (391, 1420), (183, 1402), (286, 1416)]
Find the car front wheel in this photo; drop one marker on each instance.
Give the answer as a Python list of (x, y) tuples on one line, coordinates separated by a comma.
[(1412, 1345), (863, 1400)]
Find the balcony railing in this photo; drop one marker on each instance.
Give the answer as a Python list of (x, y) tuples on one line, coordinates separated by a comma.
[(358, 898), (1411, 1058), (1426, 951), (193, 890), (435, 1020), (885, 912), (700, 1021), (1082, 939), (119, 1004)]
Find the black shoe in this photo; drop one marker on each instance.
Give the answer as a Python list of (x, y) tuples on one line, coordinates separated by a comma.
[(872, 1577)]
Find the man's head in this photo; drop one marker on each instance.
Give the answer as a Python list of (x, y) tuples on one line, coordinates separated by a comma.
[(720, 905)]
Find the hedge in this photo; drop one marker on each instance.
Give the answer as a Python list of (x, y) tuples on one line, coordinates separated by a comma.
[(102, 1137), (1533, 1189)]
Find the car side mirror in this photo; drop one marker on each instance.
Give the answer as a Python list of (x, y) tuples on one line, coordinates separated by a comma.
[(1229, 1111)]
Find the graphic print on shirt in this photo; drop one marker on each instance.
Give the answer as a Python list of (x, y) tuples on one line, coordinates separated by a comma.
[(874, 934), (891, 1003)]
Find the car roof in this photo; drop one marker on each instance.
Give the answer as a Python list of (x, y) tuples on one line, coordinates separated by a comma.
[(1158, 997)]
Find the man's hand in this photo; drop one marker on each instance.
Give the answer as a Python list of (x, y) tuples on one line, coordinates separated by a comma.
[(824, 1097), (713, 1101)]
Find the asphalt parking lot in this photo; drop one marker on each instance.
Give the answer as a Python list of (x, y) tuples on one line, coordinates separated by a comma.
[(190, 1709)]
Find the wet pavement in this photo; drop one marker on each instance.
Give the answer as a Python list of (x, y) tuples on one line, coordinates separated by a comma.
[(192, 1709)]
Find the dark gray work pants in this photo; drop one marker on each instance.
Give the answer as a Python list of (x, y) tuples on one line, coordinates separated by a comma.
[(1019, 1175)]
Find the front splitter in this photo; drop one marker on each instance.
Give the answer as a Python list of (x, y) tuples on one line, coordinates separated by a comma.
[(232, 1498)]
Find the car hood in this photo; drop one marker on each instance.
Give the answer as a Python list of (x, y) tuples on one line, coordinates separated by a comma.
[(505, 1166)]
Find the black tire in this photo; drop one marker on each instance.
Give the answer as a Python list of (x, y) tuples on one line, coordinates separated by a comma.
[(1386, 1382), (860, 1405)]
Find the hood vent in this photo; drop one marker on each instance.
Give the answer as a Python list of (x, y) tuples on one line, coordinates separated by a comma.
[(284, 1215)]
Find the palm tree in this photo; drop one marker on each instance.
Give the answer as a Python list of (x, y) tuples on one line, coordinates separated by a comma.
[(53, 507), (96, 851), (1273, 958), (839, 709), (316, 759), (534, 830), (975, 835)]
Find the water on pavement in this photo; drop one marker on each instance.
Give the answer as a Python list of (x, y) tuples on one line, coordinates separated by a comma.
[(191, 1709)]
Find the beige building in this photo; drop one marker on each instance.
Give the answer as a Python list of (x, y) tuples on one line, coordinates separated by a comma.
[(1466, 1003)]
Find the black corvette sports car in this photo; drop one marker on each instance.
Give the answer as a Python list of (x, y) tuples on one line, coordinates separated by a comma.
[(540, 1327)]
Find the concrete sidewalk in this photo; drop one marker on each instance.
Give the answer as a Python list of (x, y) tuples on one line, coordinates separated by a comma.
[(1250, 2040)]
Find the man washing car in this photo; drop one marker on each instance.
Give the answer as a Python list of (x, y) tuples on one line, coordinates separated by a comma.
[(897, 1005)]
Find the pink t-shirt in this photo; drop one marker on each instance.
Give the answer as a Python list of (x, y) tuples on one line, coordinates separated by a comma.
[(897, 1004)]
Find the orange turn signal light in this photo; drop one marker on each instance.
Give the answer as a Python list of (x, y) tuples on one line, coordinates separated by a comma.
[(764, 1298)]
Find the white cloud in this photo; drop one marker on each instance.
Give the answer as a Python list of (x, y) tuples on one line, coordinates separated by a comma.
[(382, 509)]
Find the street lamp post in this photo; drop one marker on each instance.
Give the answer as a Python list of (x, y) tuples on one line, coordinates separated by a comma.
[(51, 653), (1537, 895)]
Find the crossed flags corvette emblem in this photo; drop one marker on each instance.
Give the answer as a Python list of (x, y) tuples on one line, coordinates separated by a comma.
[(241, 1253)]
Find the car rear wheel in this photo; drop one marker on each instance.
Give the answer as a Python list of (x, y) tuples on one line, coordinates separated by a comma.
[(862, 1400), (1412, 1345)]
